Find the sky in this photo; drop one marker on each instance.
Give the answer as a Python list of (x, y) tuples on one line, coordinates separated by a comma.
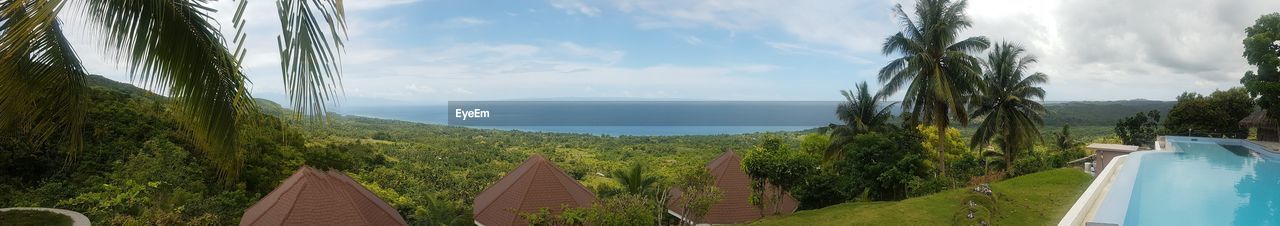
[(426, 52)]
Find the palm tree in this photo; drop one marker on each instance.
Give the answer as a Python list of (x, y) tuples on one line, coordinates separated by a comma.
[(1006, 102), (171, 46), (860, 113), (935, 64), (635, 180)]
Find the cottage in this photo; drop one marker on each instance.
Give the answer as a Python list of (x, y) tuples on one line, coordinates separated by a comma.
[(533, 185), (314, 197)]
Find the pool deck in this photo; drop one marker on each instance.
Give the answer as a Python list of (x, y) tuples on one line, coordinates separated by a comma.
[(1272, 147)]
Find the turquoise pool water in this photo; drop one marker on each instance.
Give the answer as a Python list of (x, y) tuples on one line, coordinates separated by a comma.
[(1205, 184)]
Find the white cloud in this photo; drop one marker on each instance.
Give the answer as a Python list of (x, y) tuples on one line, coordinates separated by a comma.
[(795, 48), (1139, 48), (693, 40), (1133, 49), (373, 4), (574, 7), (608, 56), (857, 26), (461, 22)]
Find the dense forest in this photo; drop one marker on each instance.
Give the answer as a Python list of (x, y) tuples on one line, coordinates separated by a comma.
[(138, 167)]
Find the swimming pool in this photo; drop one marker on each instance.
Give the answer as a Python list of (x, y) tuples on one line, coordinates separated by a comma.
[(1201, 183)]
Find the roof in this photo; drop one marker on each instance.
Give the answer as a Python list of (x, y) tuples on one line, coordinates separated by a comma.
[(314, 197), (533, 185), (1113, 147), (735, 187), (1258, 119)]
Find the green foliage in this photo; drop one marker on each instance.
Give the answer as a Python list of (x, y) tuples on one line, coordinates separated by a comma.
[(1216, 115), (148, 188), (860, 113), (1066, 147), (348, 157), (955, 145), (172, 47), (1099, 113), (773, 163), (1140, 129), (622, 210), (935, 63), (626, 210), (635, 180), (699, 194), (883, 164), (1261, 50), (1006, 103)]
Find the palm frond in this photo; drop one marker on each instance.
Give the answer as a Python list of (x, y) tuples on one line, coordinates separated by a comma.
[(35, 58), (309, 52), (172, 47)]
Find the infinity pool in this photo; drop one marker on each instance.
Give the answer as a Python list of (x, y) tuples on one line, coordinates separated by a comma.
[(1204, 183)]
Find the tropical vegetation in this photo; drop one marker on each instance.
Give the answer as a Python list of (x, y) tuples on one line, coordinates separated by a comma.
[(936, 66), (174, 47), (1006, 102)]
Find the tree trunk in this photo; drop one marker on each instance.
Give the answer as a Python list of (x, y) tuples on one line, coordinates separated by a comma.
[(942, 147)]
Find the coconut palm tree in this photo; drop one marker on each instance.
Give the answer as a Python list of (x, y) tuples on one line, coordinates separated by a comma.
[(635, 180), (171, 46), (1006, 102), (860, 113), (934, 65)]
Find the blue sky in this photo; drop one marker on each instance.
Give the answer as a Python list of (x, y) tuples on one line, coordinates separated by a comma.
[(416, 52)]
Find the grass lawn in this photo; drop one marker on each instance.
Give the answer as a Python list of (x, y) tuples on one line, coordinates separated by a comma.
[(1035, 199), (33, 218)]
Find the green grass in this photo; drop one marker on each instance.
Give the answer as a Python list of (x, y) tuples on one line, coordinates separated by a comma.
[(33, 218), (1035, 199)]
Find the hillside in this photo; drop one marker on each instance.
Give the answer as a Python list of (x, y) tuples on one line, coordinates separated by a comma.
[(1035, 199), (1099, 113)]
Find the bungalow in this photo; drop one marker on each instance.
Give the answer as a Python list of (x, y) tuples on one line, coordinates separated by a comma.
[(314, 197), (533, 185), (735, 187)]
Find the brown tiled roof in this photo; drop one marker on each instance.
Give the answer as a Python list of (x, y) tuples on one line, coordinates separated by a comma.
[(315, 197), (533, 185), (735, 187)]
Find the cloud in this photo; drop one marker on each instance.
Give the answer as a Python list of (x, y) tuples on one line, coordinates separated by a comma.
[(857, 26), (608, 56), (454, 71), (795, 48), (462, 22), (374, 4), (575, 7), (1136, 49), (693, 40)]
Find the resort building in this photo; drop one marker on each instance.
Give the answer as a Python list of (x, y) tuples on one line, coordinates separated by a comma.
[(314, 197), (533, 185), (735, 187)]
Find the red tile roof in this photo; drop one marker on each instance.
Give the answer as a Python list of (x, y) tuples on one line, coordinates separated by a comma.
[(735, 187), (315, 197), (533, 185)]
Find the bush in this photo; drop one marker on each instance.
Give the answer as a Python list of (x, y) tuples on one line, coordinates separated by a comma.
[(882, 164)]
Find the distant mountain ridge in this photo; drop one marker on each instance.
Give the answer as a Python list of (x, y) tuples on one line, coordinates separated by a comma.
[(1100, 113)]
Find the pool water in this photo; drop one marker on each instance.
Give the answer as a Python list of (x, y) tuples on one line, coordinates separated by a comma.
[(1205, 184)]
